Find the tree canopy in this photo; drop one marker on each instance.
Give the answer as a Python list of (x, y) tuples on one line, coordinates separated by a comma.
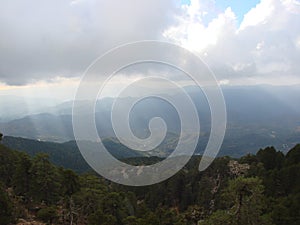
[(259, 189)]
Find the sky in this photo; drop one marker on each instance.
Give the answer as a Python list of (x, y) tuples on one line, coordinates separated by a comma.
[(240, 8), (45, 46)]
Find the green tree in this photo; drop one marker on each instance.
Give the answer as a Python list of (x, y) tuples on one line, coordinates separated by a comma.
[(167, 216), (44, 179), (21, 178), (114, 204), (270, 158), (149, 218), (246, 201), (8, 160), (48, 215), (6, 208), (293, 156), (220, 217), (89, 198), (70, 182), (70, 186), (280, 213), (99, 218)]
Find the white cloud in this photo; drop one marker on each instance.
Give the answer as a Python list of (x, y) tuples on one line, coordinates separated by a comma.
[(191, 31), (41, 40), (258, 15), (264, 47)]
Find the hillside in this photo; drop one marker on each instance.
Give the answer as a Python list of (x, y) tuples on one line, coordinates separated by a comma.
[(255, 189), (258, 116), (66, 154)]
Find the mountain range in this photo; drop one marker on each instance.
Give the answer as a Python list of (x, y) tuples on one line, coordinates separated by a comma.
[(258, 116)]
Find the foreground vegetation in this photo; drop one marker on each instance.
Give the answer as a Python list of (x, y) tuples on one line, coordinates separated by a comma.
[(255, 189)]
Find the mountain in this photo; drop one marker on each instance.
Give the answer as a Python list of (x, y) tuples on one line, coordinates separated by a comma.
[(43, 126), (254, 189), (66, 154), (15, 107), (258, 116)]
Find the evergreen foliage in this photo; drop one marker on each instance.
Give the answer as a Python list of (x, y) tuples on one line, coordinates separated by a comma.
[(265, 191)]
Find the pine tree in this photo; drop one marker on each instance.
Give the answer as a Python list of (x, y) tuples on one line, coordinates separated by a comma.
[(22, 176), (6, 209), (44, 179), (246, 195)]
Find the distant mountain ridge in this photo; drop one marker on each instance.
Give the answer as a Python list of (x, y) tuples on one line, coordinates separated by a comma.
[(258, 116), (65, 154)]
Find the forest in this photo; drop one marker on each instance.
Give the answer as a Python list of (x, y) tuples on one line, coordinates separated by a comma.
[(260, 189), (150, 82)]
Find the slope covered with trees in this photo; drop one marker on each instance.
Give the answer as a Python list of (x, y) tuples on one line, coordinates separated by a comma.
[(255, 189)]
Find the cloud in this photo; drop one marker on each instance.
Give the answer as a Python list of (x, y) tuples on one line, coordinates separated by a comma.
[(46, 39), (191, 31), (265, 44), (41, 40)]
